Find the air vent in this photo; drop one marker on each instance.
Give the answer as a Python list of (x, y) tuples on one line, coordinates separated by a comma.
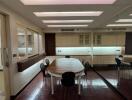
[(118, 29), (71, 29)]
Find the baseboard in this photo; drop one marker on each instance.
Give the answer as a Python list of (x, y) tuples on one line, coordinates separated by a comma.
[(13, 97)]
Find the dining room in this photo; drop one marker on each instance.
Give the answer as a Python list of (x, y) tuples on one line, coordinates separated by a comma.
[(65, 50)]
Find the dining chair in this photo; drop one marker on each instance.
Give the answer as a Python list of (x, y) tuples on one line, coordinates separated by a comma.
[(84, 74), (43, 70), (68, 82), (68, 79), (67, 56), (47, 62), (123, 69)]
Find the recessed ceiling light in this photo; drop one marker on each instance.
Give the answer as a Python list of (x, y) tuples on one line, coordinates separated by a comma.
[(63, 14), (110, 25), (67, 25), (67, 21), (63, 2), (124, 20)]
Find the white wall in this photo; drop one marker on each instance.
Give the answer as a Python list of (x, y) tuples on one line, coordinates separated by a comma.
[(18, 79)]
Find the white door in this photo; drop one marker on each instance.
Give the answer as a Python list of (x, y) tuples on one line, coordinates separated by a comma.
[(4, 72)]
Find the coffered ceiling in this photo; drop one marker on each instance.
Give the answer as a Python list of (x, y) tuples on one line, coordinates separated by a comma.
[(90, 13)]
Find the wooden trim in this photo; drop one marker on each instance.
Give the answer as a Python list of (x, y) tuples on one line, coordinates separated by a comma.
[(13, 97), (1, 69)]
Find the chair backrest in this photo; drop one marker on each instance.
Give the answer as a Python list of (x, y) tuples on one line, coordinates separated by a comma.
[(118, 61), (43, 68), (86, 67), (83, 61), (68, 79), (47, 62), (67, 56)]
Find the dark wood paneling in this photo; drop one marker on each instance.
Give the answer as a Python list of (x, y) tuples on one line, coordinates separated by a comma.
[(26, 63), (128, 43), (50, 44)]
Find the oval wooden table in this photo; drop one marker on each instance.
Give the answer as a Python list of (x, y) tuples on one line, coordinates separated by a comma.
[(61, 65)]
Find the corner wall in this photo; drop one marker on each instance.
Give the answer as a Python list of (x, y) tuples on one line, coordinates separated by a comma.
[(18, 79)]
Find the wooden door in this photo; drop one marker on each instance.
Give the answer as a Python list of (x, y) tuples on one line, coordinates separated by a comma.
[(128, 43), (50, 44)]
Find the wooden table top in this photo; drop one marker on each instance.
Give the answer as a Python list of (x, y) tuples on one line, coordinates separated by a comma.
[(61, 65)]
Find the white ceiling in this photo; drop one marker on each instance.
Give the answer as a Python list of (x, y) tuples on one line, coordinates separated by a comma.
[(111, 12)]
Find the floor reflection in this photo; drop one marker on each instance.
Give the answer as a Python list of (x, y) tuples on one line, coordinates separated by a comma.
[(121, 80), (92, 88)]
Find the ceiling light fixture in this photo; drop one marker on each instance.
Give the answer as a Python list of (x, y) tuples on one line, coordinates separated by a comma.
[(67, 26), (65, 14), (124, 20), (64, 2), (67, 21), (111, 25)]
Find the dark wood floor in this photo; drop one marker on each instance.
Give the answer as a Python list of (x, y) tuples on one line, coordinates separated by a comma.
[(122, 84), (92, 89)]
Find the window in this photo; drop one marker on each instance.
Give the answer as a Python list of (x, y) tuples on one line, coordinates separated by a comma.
[(36, 42), (21, 35), (28, 42)]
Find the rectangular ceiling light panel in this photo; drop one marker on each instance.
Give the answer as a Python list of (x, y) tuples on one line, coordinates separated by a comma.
[(67, 25), (67, 21), (124, 20), (65, 14), (125, 25), (65, 2)]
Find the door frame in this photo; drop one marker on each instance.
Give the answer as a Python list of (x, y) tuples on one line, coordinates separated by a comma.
[(5, 55)]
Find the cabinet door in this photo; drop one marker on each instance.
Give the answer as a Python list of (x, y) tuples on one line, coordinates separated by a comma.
[(84, 39), (121, 39), (97, 39), (109, 39), (67, 40)]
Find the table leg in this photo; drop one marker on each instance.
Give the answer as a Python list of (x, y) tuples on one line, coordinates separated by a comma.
[(52, 85), (79, 85)]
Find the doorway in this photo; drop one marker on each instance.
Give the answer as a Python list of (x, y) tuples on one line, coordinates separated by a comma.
[(50, 44)]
